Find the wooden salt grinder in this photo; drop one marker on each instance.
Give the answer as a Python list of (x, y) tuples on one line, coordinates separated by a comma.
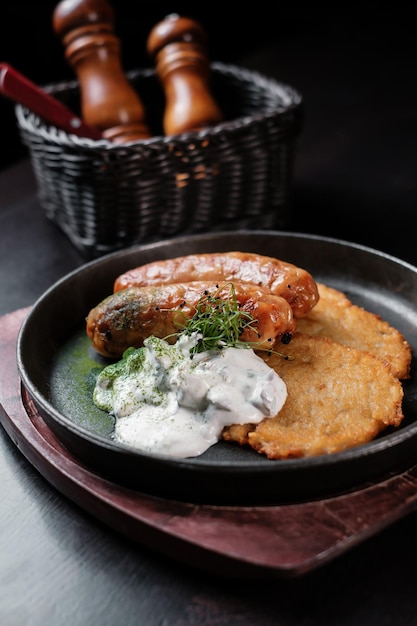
[(108, 101), (178, 47)]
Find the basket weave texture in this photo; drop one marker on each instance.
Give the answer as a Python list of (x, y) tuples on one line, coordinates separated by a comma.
[(237, 174)]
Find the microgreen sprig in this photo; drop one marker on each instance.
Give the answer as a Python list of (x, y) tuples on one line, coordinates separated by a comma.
[(220, 322)]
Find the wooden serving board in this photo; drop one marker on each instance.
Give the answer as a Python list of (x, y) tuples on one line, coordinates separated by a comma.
[(260, 541)]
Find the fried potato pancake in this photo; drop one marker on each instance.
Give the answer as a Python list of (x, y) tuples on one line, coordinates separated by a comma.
[(338, 397), (336, 317)]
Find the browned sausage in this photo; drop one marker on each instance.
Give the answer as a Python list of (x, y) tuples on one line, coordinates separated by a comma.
[(283, 279), (127, 317)]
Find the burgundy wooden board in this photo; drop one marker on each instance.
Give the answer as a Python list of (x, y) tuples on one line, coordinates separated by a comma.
[(246, 542)]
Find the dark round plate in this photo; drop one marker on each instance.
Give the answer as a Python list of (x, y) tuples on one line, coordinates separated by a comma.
[(58, 368)]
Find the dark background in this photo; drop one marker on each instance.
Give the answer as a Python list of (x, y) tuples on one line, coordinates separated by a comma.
[(298, 31), (356, 71)]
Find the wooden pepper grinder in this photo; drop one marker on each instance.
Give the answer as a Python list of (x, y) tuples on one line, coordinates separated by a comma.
[(178, 47), (108, 101)]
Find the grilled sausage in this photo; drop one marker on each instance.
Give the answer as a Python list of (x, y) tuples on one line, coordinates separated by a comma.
[(127, 317), (281, 278)]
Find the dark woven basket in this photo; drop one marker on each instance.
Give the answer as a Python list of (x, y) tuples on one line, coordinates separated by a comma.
[(234, 175)]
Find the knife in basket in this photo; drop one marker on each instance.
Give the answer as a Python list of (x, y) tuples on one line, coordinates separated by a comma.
[(17, 87)]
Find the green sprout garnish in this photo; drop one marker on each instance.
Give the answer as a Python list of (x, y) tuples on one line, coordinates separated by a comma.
[(220, 322)]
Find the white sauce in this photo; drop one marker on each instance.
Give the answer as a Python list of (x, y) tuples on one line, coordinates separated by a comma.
[(166, 402)]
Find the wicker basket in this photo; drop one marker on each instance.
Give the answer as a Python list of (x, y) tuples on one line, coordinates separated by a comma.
[(237, 174)]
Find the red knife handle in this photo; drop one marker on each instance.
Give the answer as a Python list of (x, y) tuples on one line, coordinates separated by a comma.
[(17, 87)]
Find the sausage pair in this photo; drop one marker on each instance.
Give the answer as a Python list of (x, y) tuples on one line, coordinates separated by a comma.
[(153, 299)]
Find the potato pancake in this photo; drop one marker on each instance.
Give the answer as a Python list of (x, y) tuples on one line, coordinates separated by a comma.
[(336, 317), (338, 397)]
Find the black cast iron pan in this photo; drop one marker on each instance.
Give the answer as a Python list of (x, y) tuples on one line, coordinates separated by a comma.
[(58, 368)]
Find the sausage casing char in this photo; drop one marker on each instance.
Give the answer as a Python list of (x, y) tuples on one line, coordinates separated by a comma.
[(129, 316), (278, 277)]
